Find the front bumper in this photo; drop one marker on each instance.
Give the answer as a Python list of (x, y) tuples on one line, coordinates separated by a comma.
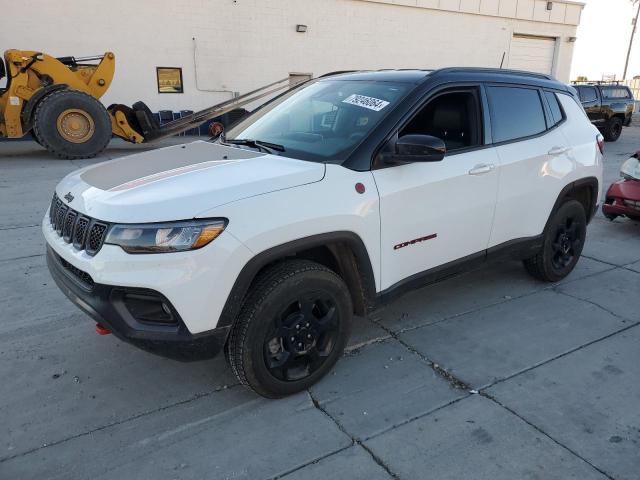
[(106, 304), (623, 199), (197, 283)]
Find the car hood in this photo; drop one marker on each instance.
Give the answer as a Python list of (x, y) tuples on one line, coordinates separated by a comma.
[(179, 182)]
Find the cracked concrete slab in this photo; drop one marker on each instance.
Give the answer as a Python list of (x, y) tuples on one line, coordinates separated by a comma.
[(587, 401), (494, 283), (24, 241), (354, 463), (502, 340), (615, 242), (363, 332), (381, 386), (63, 380), (476, 438), (617, 291), (28, 295), (225, 435)]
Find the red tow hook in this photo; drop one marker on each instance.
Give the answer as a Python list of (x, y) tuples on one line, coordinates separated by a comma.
[(102, 330)]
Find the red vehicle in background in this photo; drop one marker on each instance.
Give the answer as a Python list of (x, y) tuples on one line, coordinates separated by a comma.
[(623, 196)]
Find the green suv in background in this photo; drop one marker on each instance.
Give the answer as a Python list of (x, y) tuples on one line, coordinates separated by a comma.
[(609, 107)]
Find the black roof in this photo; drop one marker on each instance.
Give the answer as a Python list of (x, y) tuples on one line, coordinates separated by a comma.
[(454, 74), (405, 76)]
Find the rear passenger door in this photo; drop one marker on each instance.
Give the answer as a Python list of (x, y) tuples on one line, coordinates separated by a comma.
[(534, 157)]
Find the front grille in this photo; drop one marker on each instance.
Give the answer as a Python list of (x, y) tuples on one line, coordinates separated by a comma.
[(633, 204), (83, 276), (84, 232), (95, 237)]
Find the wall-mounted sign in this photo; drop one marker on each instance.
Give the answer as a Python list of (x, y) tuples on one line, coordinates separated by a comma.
[(169, 80)]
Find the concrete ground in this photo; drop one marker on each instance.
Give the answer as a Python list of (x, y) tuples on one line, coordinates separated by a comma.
[(490, 375)]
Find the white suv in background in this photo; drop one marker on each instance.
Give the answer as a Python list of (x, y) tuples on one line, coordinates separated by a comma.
[(324, 203)]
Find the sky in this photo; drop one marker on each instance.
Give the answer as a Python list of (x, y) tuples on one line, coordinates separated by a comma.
[(603, 39)]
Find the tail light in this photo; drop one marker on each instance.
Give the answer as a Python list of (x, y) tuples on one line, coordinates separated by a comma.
[(600, 142)]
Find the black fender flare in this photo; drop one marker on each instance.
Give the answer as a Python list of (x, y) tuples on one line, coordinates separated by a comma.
[(591, 182), (354, 260), (31, 104)]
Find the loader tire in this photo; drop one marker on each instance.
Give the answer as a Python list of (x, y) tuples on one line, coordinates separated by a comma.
[(71, 124), (33, 136)]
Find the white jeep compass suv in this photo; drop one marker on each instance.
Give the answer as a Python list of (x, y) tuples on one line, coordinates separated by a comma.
[(324, 203)]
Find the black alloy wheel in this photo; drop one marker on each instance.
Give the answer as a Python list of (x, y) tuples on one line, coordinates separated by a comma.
[(562, 246), (567, 244), (613, 130), (292, 328), (302, 337)]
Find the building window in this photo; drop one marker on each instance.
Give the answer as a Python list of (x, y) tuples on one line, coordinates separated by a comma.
[(169, 79)]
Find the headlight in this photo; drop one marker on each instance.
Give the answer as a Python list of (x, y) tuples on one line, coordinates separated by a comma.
[(165, 237), (631, 169)]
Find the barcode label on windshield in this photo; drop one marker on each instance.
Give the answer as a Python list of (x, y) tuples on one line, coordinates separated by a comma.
[(371, 103)]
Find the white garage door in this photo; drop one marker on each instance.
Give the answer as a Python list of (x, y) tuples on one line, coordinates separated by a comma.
[(534, 54)]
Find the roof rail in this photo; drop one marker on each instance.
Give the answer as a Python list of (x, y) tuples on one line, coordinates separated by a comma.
[(495, 70), (597, 82), (338, 72)]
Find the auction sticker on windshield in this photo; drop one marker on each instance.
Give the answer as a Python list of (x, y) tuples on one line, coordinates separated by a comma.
[(371, 103)]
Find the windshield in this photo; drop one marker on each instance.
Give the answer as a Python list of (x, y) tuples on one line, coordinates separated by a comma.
[(322, 122)]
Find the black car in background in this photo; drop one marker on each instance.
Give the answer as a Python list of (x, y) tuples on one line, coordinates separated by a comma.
[(609, 106)]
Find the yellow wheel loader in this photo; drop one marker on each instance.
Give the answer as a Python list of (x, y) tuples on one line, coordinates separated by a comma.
[(56, 100)]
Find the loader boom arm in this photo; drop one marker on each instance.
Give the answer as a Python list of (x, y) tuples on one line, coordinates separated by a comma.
[(138, 125)]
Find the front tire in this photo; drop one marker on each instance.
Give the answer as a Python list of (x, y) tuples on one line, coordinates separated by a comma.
[(71, 125), (562, 245), (613, 130), (292, 328)]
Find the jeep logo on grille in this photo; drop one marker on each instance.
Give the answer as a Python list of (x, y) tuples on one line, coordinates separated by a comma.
[(68, 197)]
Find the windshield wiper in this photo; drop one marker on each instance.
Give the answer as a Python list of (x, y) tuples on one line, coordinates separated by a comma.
[(259, 144)]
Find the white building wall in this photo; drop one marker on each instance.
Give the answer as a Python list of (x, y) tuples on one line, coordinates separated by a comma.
[(239, 45)]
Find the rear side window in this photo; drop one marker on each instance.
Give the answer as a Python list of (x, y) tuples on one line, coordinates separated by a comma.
[(612, 93), (587, 94), (515, 113), (556, 111)]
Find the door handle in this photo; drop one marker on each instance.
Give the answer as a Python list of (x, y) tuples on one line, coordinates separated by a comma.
[(482, 169), (555, 151)]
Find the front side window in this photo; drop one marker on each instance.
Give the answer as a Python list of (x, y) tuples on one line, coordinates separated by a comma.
[(587, 94), (515, 113), (453, 117), (324, 121)]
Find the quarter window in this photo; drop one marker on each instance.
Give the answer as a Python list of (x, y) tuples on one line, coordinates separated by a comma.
[(615, 92), (556, 111), (515, 113)]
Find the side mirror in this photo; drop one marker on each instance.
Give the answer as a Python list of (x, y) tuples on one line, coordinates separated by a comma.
[(419, 148)]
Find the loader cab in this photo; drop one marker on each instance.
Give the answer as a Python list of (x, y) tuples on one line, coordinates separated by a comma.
[(3, 73)]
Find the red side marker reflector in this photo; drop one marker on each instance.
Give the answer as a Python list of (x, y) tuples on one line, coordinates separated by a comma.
[(360, 187), (102, 330)]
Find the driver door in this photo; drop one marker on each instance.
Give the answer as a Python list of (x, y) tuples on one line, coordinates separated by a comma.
[(434, 213)]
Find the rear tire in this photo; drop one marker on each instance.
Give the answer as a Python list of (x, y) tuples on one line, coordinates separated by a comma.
[(292, 328), (562, 245), (613, 130), (71, 124)]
